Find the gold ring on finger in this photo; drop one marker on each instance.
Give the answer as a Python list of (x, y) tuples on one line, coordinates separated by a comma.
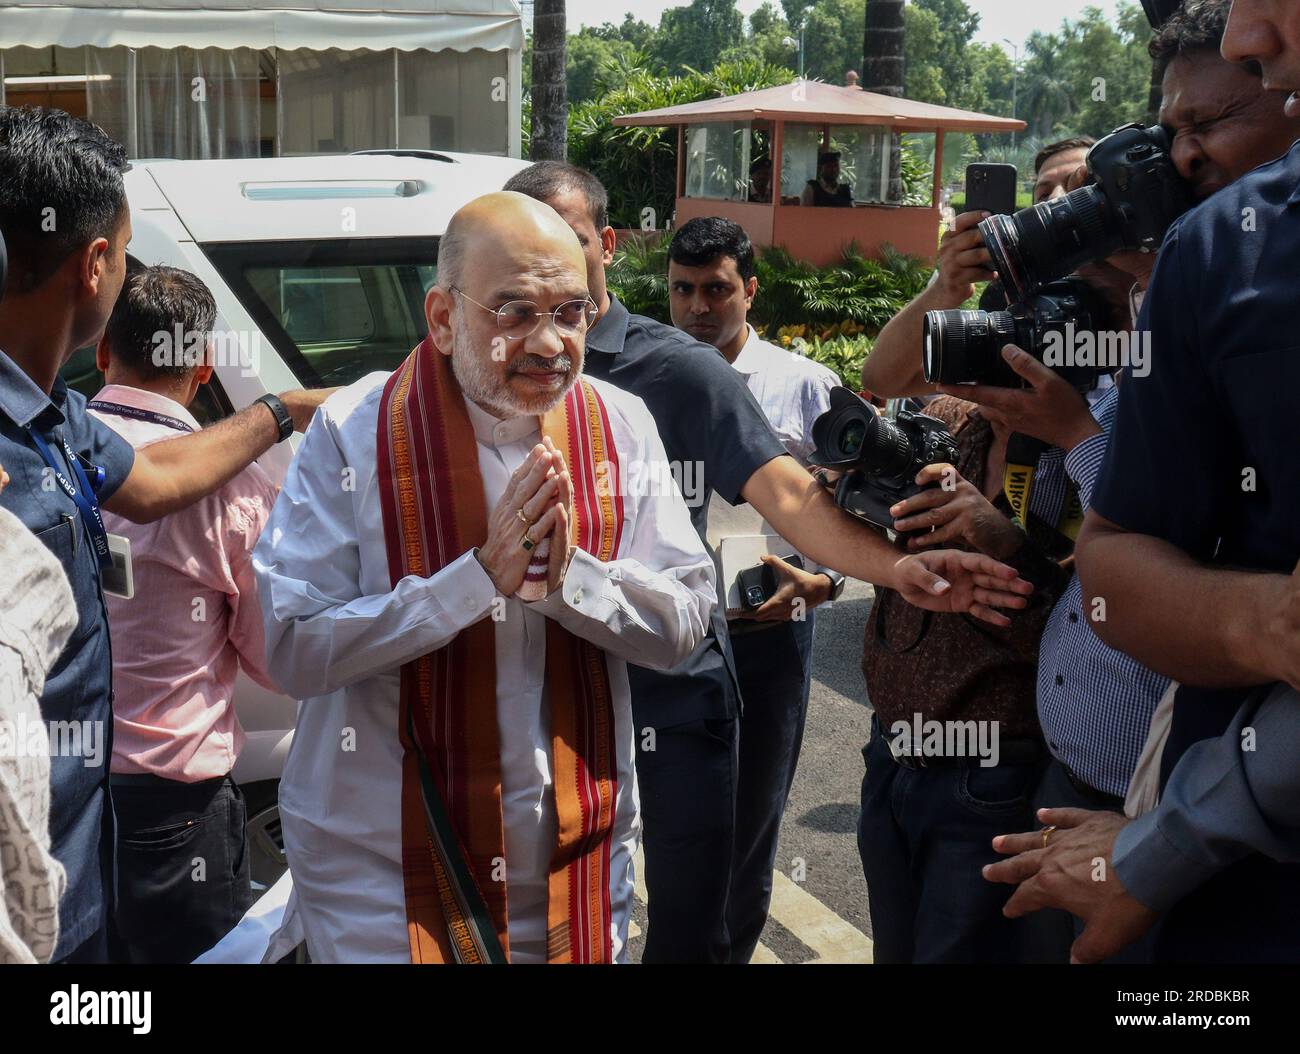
[(1047, 833), (524, 519), (527, 542)]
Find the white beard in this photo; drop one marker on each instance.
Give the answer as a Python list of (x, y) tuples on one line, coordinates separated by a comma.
[(479, 382)]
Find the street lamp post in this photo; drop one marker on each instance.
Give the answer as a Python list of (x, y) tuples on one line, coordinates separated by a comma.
[(790, 42)]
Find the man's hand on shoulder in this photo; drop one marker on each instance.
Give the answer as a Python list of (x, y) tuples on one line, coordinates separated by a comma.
[(960, 583), (302, 404)]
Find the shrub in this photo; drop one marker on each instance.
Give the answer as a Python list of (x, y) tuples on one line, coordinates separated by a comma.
[(842, 353), (858, 289)]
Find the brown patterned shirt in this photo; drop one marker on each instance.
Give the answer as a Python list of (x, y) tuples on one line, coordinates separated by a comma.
[(955, 667)]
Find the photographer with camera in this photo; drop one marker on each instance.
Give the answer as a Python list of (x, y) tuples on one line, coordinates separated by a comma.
[(1192, 549), (893, 369), (1095, 703), (929, 813)]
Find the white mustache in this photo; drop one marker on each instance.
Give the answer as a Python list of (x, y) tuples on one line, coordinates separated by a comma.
[(562, 363)]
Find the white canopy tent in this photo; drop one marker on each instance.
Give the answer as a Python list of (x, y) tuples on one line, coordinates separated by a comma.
[(324, 74), (408, 25)]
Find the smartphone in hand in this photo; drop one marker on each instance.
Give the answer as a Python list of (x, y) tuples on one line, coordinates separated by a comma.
[(991, 188)]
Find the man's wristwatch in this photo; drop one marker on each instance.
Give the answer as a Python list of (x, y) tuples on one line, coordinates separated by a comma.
[(837, 581), (280, 412)]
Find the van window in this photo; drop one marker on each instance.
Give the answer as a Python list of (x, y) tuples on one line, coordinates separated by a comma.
[(334, 310)]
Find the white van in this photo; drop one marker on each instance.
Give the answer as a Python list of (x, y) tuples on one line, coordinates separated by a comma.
[(319, 266)]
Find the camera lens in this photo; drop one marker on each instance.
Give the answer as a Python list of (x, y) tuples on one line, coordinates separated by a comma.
[(885, 448), (965, 347), (1046, 242), (851, 437)]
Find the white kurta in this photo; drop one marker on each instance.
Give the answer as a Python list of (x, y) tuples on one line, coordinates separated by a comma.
[(337, 634)]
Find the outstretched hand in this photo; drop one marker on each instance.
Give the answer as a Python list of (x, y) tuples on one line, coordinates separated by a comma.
[(961, 583)]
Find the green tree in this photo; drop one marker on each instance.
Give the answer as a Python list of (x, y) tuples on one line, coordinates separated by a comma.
[(593, 62), (1047, 95), (831, 39), (695, 36), (1110, 71), (632, 30), (638, 165)]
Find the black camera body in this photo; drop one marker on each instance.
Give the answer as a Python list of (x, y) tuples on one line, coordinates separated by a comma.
[(879, 458), (1135, 196), (965, 347)]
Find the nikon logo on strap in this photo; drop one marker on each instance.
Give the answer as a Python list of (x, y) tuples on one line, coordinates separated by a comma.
[(1017, 482)]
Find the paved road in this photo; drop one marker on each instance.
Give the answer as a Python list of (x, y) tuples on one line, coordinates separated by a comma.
[(819, 911)]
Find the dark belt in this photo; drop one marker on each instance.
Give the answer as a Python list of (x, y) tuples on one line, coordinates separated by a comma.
[(1099, 798), (149, 779), (1021, 751)]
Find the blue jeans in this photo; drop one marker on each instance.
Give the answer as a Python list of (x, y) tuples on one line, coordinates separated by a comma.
[(924, 835)]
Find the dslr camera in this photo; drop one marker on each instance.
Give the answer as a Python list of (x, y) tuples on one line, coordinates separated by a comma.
[(1135, 196), (965, 347), (879, 458)]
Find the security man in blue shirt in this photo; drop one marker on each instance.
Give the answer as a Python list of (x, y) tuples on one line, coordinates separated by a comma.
[(64, 219)]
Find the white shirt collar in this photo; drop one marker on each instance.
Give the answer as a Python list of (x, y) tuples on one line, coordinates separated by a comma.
[(494, 431), (751, 358)]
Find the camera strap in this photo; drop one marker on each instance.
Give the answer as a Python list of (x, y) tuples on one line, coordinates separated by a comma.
[(1023, 453)]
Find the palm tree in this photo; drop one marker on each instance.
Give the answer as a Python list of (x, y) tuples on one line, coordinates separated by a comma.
[(550, 111), (1046, 90), (883, 60)]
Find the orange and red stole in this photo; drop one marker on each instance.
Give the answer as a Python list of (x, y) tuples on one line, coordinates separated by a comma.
[(453, 842)]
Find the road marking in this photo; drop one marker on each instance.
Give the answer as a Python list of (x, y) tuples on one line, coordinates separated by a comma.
[(833, 939)]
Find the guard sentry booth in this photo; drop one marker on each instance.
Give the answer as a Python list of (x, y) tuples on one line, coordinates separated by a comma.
[(261, 78)]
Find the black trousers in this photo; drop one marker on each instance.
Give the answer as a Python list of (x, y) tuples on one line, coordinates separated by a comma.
[(688, 813), (182, 866), (775, 668)]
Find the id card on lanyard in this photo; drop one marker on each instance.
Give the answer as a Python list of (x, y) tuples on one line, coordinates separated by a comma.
[(83, 498)]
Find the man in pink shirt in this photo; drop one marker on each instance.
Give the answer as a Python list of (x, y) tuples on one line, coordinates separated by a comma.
[(194, 621)]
